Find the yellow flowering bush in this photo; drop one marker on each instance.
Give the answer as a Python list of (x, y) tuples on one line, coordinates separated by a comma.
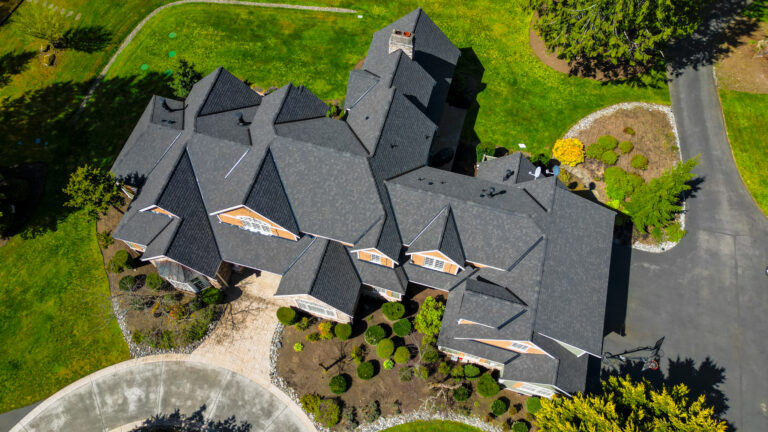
[(568, 151)]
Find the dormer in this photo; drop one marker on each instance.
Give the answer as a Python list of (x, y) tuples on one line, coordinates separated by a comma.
[(401, 40), (374, 256), (438, 246)]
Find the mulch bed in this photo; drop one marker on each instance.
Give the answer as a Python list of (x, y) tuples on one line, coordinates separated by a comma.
[(310, 371), (740, 70)]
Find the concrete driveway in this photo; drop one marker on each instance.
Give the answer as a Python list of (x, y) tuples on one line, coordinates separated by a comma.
[(122, 396)]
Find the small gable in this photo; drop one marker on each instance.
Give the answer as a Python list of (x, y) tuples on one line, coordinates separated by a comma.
[(228, 93), (300, 104), (267, 196)]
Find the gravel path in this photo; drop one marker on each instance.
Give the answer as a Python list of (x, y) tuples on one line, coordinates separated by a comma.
[(136, 29)]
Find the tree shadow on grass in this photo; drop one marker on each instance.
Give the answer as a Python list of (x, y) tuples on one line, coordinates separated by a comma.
[(178, 422), (13, 63), (88, 39)]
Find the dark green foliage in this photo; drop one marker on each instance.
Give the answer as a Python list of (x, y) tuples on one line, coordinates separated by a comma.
[(393, 310), (120, 261), (430, 317), (594, 151), (405, 374), (374, 334), (519, 426), (533, 404), (402, 355), (629, 131), (499, 407), (471, 371), (286, 315), (402, 327), (104, 239), (639, 161), (371, 412), (487, 386), (626, 147), (162, 339), (423, 372), (41, 22), (338, 384), (365, 370), (93, 190), (127, 282), (655, 203), (302, 324), (620, 184), (310, 402), (197, 329), (609, 157), (154, 281), (211, 296), (137, 336), (184, 78), (457, 373), (430, 355), (312, 337), (604, 144), (385, 348), (444, 368), (461, 394), (540, 159), (328, 412), (343, 331), (608, 142)]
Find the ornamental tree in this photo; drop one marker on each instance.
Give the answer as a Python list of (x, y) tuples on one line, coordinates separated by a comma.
[(42, 23), (430, 317), (633, 32), (185, 77), (627, 405), (569, 151), (93, 190)]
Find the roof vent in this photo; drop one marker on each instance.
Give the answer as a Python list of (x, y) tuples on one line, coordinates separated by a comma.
[(401, 40), (508, 174), (241, 121), (166, 106)]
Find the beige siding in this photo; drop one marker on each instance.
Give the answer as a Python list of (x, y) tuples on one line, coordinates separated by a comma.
[(231, 217), (161, 211), (449, 267), (366, 256)]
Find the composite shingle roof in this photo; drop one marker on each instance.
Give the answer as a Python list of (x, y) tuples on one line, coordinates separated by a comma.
[(228, 93), (300, 104), (268, 198)]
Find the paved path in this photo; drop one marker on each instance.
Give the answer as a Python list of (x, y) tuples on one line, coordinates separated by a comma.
[(120, 397), (708, 295), (10, 418)]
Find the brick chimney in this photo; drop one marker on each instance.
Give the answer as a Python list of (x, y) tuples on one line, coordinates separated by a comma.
[(401, 40)]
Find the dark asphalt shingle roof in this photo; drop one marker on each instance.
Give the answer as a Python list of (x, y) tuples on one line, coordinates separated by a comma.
[(268, 198), (379, 276), (323, 131), (359, 84), (228, 93), (300, 104), (168, 112), (228, 125), (140, 227)]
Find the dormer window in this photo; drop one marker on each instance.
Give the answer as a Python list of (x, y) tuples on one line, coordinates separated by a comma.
[(434, 263), (517, 346), (256, 225), (375, 258)]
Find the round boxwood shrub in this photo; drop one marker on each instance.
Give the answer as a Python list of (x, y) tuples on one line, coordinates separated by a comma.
[(343, 331), (639, 161), (402, 327), (385, 348), (393, 310), (487, 385), (607, 142), (471, 371), (154, 281), (338, 384), (519, 426), (533, 404), (365, 370), (374, 334), (430, 355), (286, 315), (499, 407), (211, 295), (127, 282), (402, 355), (328, 413), (609, 158), (120, 261), (626, 147), (461, 394), (389, 364)]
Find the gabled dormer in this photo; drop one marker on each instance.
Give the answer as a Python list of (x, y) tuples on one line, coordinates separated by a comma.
[(438, 246)]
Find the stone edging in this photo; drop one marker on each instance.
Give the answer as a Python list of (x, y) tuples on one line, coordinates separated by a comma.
[(588, 120)]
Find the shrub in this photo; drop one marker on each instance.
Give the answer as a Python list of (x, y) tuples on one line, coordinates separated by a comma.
[(365, 371), (513, 409), (626, 147), (405, 374), (104, 239), (154, 281), (430, 355), (519, 426), (457, 372), (430, 317), (389, 364), (385, 348), (298, 347), (343, 331), (471, 371), (487, 385), (310, 402), (629, 131), (444, 368), (499, 407), (402, 355), (402, 327), (312, 337), (675, 233), (609, 158), (461, 394), (604, 144), (639, 162), (338, 384), (533, 405), (325, 329), (197, 330), (348, 415), (371, 412), (655, 203), (569, 151), (423, 372), (137, 336), (608, 142), (328, 412), (620, 184), (302, 324), (357, 354), (127, 282), (211, 296), (374, 334), (119, 262), (594, 151), (393, 310), (286, 315)]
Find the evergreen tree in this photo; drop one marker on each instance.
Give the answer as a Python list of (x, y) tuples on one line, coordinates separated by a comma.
[(430, 317), (93, 190), (185, 78), (41, 22), (625, 405)]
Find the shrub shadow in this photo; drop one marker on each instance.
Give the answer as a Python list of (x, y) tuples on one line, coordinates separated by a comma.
[(14, 63), (197, 421)]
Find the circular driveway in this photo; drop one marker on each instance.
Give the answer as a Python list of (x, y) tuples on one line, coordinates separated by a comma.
[(120, 397)]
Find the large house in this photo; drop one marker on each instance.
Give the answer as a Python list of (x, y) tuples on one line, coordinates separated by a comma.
[(230, 179)]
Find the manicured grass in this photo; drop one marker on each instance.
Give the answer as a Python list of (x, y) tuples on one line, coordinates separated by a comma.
[(433, 426), (745, 118)]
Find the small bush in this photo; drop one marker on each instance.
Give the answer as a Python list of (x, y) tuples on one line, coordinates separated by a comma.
[(487, 385), (365, 371), (310, 402), (286, 315), (211, 296), (349, 416), (629, 131), (513, 409), (594, 151), (389, 364), (533, 405), (461, 394), (328, 412), (402, 327), (430, 355), (444, 368), (609, 158), (402, 355), (471, 371), (423, 372), (154, 281), (385, 348), (393, 310), (312, 337), (639, 162), (457, 373), (608, 142), (374, 334), (137, 336), (197, 330), (127, 282), (325, 329), (675, 232), (569, 151), (338, 384), (302, 324), (620, 184), (358, 354), (343, 331), (119, 262), (104, 239), (499, 407), (371, 412), (604, 144), (405, 374), (298, 347), (626, 147), (519, 426)]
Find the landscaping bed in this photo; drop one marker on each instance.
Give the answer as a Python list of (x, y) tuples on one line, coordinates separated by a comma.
[(423, 381)]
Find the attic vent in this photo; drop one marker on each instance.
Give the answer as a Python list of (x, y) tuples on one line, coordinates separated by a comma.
[(401, 40), (241, 121)]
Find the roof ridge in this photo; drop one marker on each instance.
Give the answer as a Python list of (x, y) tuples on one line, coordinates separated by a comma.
[(317, 269)]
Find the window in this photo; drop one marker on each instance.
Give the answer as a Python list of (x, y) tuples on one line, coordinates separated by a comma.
[(316, 308), (536, 390), (375, 258), (517, 346), (256, 225), (200, 284), (434, 263), (183, 286)]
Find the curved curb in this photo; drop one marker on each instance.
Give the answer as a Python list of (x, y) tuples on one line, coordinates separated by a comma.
[(128, 39), (588, 120), (89, 379)]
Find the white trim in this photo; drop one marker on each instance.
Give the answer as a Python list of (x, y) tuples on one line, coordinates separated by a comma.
[(561, 342), (475, 264), (228, 209), (236, 164), (529, 343), (377, 251), (328, 312), (256, 225), (274, 224), (148, 208), (433, 263), (542, 391), (426, 227), (332, 239), (447, 259), (473, 323)]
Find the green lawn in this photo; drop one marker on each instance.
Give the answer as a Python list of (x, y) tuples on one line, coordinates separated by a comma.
[(745, 117), (433, 426)]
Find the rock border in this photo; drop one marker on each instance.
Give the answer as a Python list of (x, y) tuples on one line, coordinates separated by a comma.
[(666, 109)]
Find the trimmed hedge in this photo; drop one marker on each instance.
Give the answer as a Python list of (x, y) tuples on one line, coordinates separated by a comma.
[(626, 147), (286, 315), (154, 281), (519, 426), (127, 282), (609, 158), (533, 404), (374, 334), (338, 384), (393, 310), (343, 331), (402, 327), (499, 407), (487, 385), (639, 162), (365, 370), (402, 355), (471, 371), (385, 348)]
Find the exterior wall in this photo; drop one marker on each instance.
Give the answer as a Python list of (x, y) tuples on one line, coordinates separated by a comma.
[(231, 217), (161, 211), (134, 246), (530, 389), (469, 358), (507, 345), (340, 316), (366, 256), (381, 292), (418, 259)]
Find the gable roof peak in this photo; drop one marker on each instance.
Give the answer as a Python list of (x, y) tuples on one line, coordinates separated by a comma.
[(227, 93)]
